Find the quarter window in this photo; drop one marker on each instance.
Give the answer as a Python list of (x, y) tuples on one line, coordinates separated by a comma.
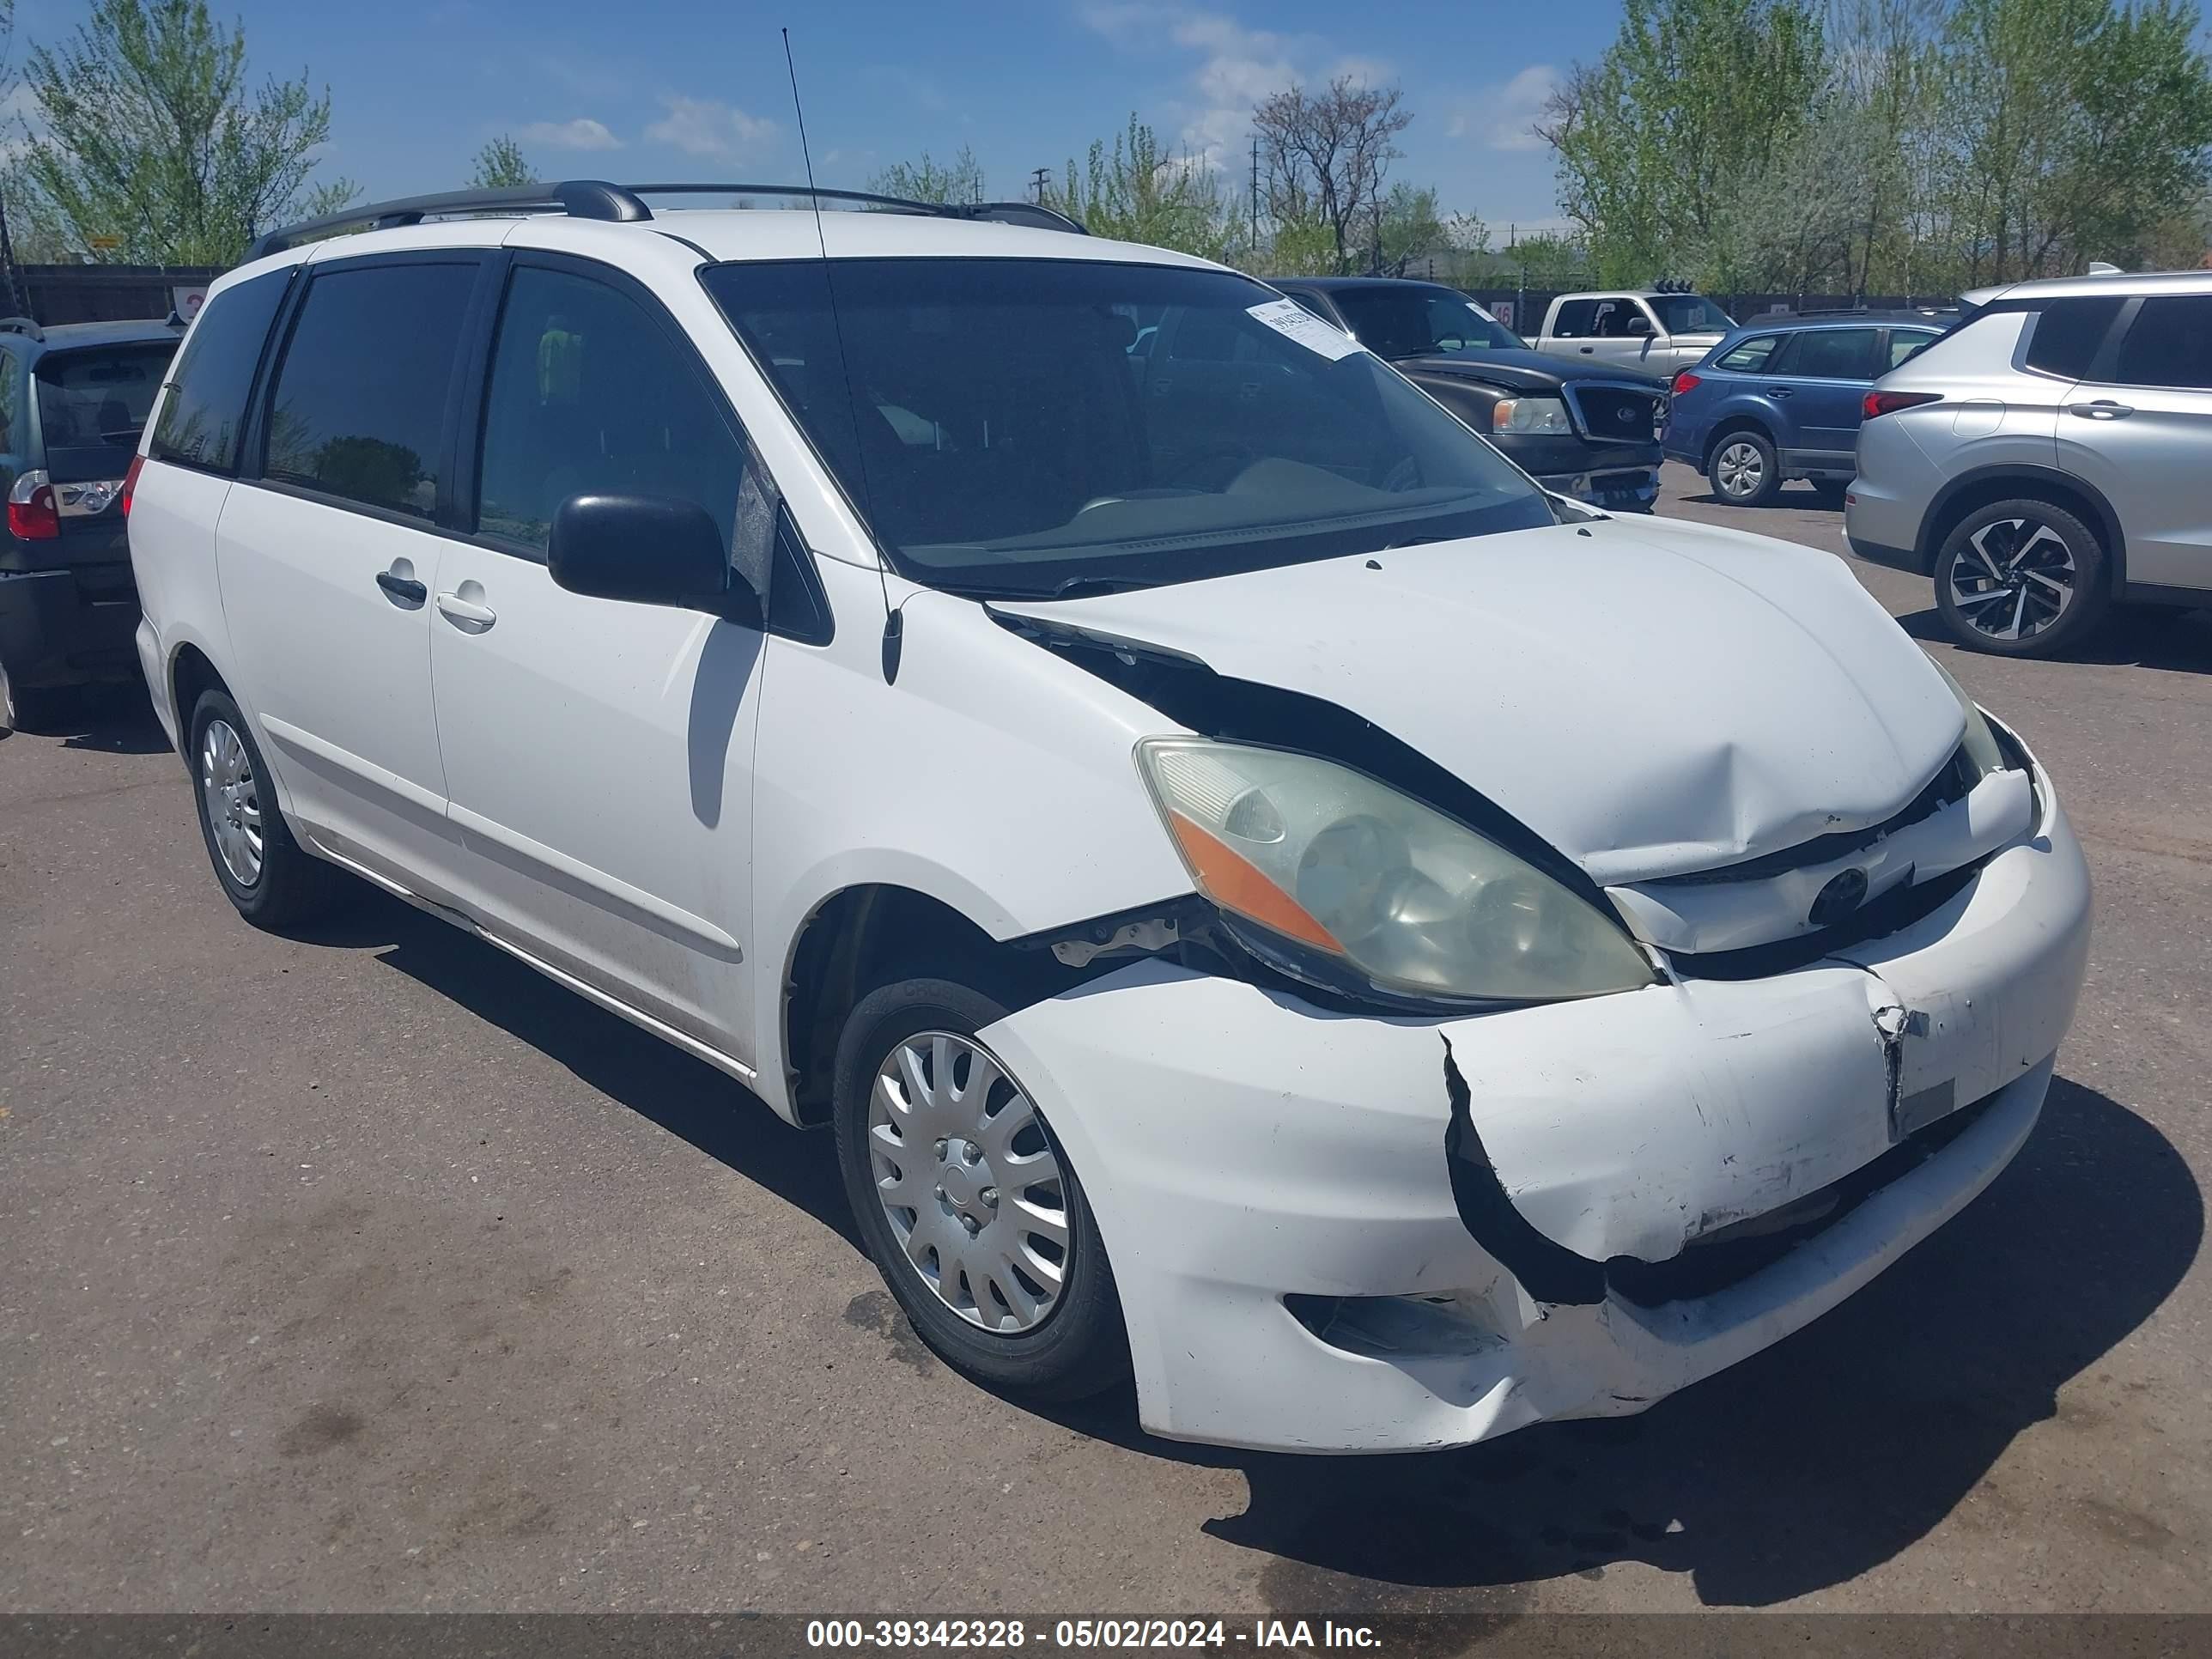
[(589, 394), (1750, 356), (11, 376), (2169, 342), (2068, 333), (360, 405), (1904, 343), (205, 414)]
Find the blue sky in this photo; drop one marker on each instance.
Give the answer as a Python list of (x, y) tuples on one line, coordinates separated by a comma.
[(641, 89)]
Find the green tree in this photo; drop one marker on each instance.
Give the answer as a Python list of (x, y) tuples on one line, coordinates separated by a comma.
[(1135, 191), (1690, 103), (149, 146), (499, 164), (927, 180), (1546, 260)]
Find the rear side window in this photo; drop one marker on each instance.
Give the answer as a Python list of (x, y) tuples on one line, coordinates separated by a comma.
[(360, 403), (1905, 342), (1576, 318), (1749, 356), (92, 399), (2169, 342), (205, 414), (2068, 333), (1833, 354), (588, 393)]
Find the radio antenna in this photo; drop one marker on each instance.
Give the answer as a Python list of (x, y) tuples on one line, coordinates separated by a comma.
[(893, 621)]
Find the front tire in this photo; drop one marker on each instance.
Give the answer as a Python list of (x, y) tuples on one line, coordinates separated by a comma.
[(2021, 579), (1743, 469), (265, 874), (968, 1206)]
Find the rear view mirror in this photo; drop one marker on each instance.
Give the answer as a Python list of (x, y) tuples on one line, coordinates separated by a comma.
[(1639, 326), (648, 550)]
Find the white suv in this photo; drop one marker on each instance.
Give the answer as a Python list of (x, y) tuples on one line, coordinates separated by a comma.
[(2046, 459), (1267, 898)]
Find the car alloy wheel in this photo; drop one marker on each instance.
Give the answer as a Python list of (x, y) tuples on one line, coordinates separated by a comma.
[(233, 800), (1740, 469), (969, 1183), (2013, 578)]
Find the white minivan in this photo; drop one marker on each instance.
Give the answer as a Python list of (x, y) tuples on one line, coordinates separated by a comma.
[(1269, 900)]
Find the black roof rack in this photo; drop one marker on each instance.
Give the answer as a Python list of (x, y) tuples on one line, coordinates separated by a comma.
[(595, 198)]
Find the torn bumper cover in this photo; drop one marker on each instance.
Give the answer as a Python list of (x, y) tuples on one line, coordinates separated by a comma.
[(1366, 1234)]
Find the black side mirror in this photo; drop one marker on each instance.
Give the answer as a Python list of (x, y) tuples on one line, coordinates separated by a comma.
[(648, 550), (1639, 326)]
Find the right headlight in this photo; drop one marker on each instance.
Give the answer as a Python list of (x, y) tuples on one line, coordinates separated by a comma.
[(1329, 860), (1531, 415)]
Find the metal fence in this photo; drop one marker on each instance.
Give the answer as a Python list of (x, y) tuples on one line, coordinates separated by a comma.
[(103, 293)]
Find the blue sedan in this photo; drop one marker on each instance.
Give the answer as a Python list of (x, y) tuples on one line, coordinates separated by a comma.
[(1781, 399)]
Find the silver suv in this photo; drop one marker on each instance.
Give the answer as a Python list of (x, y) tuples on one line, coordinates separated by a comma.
[(2048, 458)]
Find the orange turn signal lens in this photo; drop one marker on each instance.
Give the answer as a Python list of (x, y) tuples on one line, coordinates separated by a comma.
[(1230, 880)]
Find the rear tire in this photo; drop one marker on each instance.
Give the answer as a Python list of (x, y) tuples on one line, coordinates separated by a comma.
[(268, 879), (2022, 578), (974, 1279), (1743, 469)]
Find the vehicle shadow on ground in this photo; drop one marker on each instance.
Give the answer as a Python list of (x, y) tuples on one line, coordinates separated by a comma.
[(686, 1096), (2180, 640), (112, 719), (1805, 1466)]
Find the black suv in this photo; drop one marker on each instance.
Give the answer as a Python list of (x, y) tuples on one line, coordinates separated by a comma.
[(73, 399), (1591, 431)]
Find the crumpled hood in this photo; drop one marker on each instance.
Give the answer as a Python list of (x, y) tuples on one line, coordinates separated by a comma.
[(1651, 699)]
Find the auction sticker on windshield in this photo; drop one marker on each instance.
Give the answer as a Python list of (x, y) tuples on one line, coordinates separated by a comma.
[(1294, 321)]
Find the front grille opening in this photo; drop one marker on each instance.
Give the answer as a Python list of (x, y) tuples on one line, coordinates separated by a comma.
[(1618, 412), (1895, 910), (1714, 1261)]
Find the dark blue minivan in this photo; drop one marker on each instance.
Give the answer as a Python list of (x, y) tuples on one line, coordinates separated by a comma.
[(1781, 398)]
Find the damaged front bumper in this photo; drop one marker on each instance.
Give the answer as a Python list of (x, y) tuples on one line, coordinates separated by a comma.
[(1337, 1233)]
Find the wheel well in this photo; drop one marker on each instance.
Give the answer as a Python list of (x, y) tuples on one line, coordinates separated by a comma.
[(191, 674), (1734, 423), (2008, 486), (865, 937)]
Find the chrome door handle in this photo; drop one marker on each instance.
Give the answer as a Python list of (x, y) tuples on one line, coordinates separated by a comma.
[(2103, 409), (467, 613)]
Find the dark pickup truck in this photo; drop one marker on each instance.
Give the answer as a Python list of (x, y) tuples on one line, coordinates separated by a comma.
[(1586, 431)]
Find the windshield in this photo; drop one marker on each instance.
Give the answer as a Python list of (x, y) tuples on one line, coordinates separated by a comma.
[(87, 400), (1034, 427), (1422, 322), (1690, 314)]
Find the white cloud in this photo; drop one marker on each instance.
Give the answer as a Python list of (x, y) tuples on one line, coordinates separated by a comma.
[(581, 133), (1239, 67), (1503, 115), (706, 126)]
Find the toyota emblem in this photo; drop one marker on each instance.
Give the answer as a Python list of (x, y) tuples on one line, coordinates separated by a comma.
[(1842, 895)]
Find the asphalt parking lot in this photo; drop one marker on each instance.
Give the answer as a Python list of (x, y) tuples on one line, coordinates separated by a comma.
[(372, 1271)]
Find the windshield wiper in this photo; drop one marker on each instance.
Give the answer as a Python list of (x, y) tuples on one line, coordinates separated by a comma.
[(1081, 587)]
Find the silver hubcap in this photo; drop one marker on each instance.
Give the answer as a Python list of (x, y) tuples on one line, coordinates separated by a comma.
[(963, 1171), (1740, 469), (2013, 578), (234, 805)]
